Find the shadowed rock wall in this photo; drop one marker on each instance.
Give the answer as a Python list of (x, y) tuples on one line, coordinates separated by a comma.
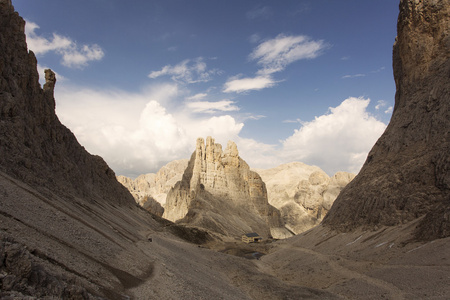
[(34, 146), (406, 174)]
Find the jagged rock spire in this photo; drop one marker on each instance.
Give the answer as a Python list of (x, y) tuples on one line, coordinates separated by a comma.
[(219, 183)]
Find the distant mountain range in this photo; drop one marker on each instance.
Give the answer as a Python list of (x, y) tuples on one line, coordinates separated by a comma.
[(303, 194)]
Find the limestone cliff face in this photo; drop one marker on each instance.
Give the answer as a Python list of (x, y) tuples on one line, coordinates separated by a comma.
[(154, 185), (303, 194), (34, 146), (219, 192), (406, 174)]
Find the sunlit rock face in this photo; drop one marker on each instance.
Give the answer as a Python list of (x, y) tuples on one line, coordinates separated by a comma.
[(406, 174), (220, 193), (155, 185), (303, 194)]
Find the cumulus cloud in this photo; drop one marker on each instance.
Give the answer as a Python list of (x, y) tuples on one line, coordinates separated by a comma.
[(275, 54), (222, 128), (187, 71), (212, 107), (336, 141), (138, 133), (73, 56), (258, 155), (240, 85)]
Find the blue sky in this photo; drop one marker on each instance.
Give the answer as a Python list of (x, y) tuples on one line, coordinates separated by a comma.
[(287, 80)]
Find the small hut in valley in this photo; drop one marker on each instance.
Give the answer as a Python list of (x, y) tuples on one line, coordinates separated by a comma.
[(252, 237)]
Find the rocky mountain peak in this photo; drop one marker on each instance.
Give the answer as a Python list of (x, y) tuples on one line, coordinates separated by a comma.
[(406, 174), (219, 183)]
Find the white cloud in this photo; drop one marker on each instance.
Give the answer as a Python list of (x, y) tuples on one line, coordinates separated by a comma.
[(353, 76), (223, 128), (212, 107), (380, 104), (337, 141), (383, 103), (198, 96), (257, 154), (293, 121), (240, 85), (253, 117), (138, 133), (73, 56), (275, 54), (187, 71), (41, 45)]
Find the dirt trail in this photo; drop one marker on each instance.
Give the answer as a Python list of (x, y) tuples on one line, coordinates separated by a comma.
[(345, 270)]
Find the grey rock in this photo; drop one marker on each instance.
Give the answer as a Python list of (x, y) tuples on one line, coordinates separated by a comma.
[(406, 174)]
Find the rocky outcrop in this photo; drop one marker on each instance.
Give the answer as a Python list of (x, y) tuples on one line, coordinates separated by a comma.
[(303, 194), (153, 185), (406, 174), (220, 193)]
